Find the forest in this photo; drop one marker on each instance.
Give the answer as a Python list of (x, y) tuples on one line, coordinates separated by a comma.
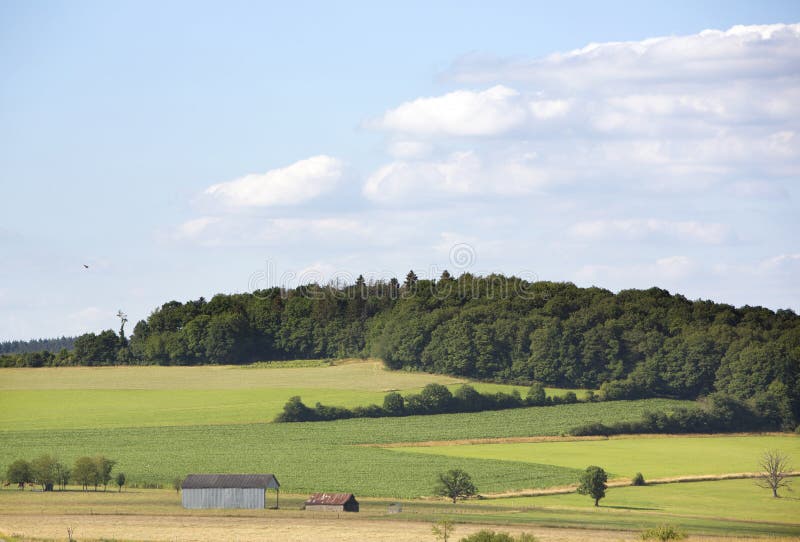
[(635, 343)]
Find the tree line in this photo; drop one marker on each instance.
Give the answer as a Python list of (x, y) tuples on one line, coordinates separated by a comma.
[(433, 399), (49, 472), (37, 345), (635, 343)]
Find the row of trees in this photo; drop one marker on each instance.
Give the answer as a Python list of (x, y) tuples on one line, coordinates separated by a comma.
[(716, 413), (635, 343), (433, 399), (49, 472), (37, 345)]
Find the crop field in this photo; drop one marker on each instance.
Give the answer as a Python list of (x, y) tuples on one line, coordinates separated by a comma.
[(655, 457), (160, 423), (322, 455), (156, 396)]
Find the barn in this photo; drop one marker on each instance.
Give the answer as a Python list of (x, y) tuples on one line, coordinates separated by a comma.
[(228, 490), (332, 502)]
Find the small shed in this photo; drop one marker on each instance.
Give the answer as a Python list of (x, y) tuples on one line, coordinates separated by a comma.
[(228, 490), (332, 502)]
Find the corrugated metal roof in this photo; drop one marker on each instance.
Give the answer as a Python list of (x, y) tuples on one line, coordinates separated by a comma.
[(245, 481), (329, 498)]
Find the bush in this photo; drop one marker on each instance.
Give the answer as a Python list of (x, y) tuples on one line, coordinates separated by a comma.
[(638, 480), (663, 532), (486, 535), (537, 396), (592, 429), (295, 411), (394, 404)]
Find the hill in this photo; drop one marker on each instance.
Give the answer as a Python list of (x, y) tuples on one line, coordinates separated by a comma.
[(635, 343)]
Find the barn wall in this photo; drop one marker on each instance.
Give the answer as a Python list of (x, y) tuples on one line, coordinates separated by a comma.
[(325, 507), (223, 498)]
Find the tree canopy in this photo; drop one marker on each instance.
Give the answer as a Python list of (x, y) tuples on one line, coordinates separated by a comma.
[(635, 343)]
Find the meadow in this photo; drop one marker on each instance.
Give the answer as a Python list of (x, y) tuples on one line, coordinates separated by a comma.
[(107, 397), (161, 423), (655, 456)]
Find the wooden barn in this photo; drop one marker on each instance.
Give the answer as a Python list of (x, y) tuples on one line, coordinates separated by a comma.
[(332, 502), (228, 490)]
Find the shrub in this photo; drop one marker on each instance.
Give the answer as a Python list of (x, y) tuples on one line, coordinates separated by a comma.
[(486, 535), (537, 396), (394, 404), (592, 429), (295, 411), (638, 480), (663, 532)]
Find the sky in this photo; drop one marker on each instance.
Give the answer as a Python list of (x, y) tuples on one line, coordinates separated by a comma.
[(183, 149)]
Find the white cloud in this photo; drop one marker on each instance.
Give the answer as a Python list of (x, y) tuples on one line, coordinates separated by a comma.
[(712, 55), (461, 113), (713, 110), (406, 150), (458, 174), (641, 229), (293, 184)]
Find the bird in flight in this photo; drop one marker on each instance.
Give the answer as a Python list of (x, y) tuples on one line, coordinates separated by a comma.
[(86, 266)]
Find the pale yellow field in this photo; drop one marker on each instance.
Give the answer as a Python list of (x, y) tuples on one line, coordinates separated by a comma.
[(345, 528)]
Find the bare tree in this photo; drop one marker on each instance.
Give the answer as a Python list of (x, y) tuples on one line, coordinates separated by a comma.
[(123, 318), (775, 469)]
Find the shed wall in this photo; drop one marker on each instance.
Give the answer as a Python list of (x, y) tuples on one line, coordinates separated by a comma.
[(223, 498), (325, 507)]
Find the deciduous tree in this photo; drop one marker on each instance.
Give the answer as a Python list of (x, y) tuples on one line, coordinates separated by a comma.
[(455, 484), (593, 483)]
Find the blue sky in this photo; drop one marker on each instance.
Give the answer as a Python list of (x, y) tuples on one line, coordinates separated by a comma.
[(182, 149)]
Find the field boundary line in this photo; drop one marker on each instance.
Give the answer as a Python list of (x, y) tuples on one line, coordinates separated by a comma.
[(626, 482), (567, 438)]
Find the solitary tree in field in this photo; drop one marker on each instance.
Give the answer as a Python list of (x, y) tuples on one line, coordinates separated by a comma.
[(593, 483), (775, 468), (455, 484)]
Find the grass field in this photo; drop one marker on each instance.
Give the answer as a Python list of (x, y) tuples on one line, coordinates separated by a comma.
[(160, 423), (655, 457), (321, 456), (739, 500), (92, 397)]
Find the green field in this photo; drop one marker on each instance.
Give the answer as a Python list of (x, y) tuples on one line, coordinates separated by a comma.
[(92, 397), (740, 500), (322, 456), (160, 423), (655, 457)]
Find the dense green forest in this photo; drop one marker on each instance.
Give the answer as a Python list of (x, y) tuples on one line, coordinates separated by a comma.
[(634, 343), (36, 345)]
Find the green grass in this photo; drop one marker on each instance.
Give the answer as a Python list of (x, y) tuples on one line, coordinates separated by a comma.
[(164, 422), (739, 500), (623, 457), (91, 397), (321, 456)]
